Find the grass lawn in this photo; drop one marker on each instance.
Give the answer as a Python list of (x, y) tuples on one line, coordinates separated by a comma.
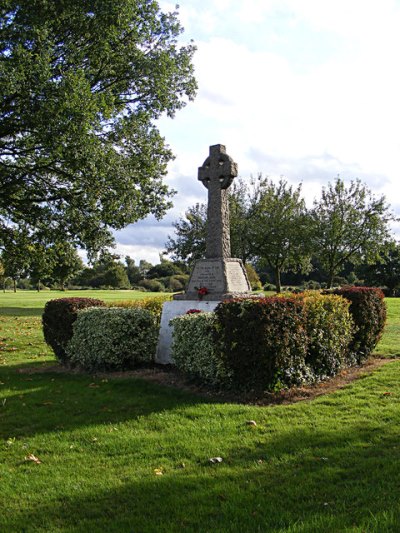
[(31, 303), (124, 455)]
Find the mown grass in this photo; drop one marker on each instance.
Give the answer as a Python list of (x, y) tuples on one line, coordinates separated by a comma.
[(121, 454), (31, 303)]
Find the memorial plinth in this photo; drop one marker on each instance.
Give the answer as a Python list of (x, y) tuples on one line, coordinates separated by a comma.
[(218, 277), (223, 278)]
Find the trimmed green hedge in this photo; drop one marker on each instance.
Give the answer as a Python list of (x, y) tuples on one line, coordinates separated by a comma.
[(153, 304), (368, 309), (193, 348), (270, 343), (113, 339), (58, 318), (330, 329), (262, 342)]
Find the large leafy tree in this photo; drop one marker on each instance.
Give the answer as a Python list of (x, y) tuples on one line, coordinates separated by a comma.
[(15, 254), (189, 242), (349, 225), (82, 83), (280, 228), (385, 271)]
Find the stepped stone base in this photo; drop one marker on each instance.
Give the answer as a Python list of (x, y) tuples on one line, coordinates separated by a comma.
[(223, 278)]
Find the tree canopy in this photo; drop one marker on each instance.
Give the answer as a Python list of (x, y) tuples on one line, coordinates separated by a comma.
[(349, 225), (82, 84), (280, 227)]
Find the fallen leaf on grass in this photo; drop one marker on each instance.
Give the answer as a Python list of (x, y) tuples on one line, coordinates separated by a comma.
[(251, 422), (215, 460), (387, 393), (158, 471), (94, 385), (33, 458)]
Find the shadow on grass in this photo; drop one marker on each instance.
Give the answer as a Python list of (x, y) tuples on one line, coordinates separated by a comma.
[(21, 311), (356, 489), (46, 402)]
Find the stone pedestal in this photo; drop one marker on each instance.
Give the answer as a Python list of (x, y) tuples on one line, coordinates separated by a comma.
[(171, 310), (223, 278)]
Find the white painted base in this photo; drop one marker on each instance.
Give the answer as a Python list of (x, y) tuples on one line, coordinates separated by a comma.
[(171, 310)]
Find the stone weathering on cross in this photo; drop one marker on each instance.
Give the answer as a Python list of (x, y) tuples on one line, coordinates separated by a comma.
[(218, 276), (224, 277)]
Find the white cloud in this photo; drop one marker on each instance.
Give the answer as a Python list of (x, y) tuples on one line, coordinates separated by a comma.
[(307, 89)]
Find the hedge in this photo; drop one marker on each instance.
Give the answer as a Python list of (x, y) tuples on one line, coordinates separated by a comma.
[(57, 320), (113, 339), (368, 309), (153, 304), (193, 348), (330, 329), (263, 342)]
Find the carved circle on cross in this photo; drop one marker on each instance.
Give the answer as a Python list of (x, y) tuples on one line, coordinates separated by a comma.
[(218, 166)]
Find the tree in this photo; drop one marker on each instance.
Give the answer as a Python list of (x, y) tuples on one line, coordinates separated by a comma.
[(82, 84), (132, 271), (349, 225), (280, 228), (15, 256), (190, 242), (66, 263), (41, 263), (386, 271)]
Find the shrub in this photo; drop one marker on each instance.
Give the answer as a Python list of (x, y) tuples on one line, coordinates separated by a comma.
[(193, 348), (58, 318), (153, 304), (152, 285), (330, 330), (112, 339), (253, 277), (368, 310), (263, 341)]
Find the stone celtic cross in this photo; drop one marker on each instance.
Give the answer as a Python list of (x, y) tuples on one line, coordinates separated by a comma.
[(217, 174)]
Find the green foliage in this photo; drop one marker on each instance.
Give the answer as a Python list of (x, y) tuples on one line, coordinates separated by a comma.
[(82, 85), (368, 309), (58, 318), (163, 270), (152, 285), (330, 331), (263, 341), (386, 271), (190, 242), (194, 350), (154, 305), (112, 339), (280, 228), (349, 224), (178, 282), (253, 277)]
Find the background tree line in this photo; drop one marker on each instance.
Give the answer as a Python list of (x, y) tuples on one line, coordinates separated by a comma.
[(343, 237)]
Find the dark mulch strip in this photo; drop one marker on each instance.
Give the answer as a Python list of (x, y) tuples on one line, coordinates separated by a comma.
[(167, 375)]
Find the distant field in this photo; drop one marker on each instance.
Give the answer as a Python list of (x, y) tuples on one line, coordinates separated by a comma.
[(31, 303)]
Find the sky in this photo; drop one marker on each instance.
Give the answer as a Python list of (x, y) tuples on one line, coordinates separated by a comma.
[(304, 89)]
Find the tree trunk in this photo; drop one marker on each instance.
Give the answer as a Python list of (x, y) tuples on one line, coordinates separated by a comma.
[(15, 285), (330, 280), (38, 285), (278, 280)]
